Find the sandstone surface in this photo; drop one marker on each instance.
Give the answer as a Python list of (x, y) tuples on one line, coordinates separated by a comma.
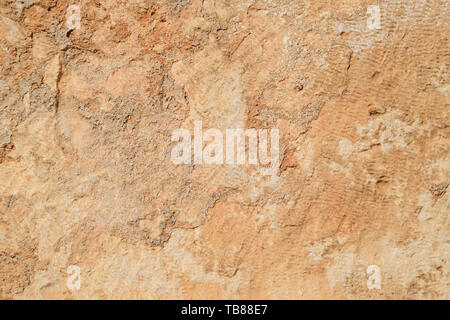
[(86, 177)]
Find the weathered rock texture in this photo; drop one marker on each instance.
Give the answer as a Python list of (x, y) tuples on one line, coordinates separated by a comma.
[(86, 177)]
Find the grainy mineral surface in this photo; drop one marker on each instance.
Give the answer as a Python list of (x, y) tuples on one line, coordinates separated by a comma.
[(358, 89)]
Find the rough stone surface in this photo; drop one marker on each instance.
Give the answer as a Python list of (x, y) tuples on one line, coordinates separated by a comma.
[(86, 177)]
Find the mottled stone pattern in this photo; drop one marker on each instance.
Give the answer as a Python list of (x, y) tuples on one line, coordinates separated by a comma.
[(86, 176)]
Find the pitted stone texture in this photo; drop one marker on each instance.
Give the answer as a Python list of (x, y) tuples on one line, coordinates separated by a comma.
[(86, 177)]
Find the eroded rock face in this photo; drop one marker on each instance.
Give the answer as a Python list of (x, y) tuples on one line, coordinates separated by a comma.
[(86, 176)]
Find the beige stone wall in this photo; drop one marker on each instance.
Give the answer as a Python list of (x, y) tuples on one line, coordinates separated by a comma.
[(86, 176)]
